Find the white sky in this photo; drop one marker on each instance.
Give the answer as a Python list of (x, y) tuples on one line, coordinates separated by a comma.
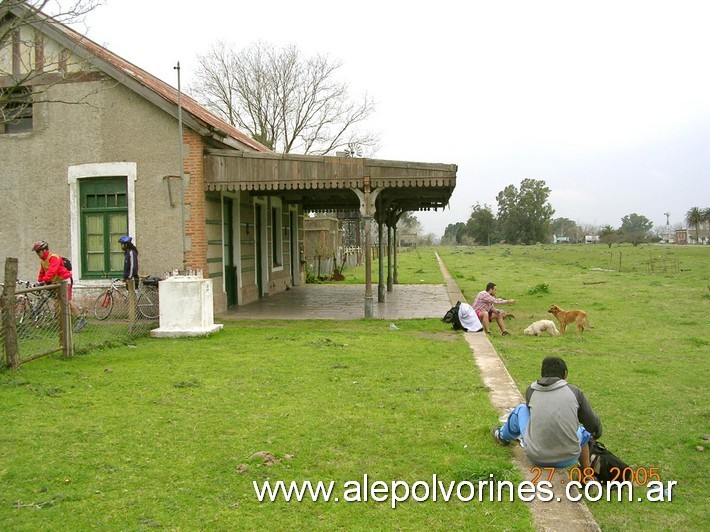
[(608, 102)]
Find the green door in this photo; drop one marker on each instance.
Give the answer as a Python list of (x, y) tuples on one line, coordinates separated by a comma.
[(230, 270)]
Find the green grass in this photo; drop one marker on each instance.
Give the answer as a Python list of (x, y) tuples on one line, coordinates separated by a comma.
[(414, 266), (163, 433), (644, 366)]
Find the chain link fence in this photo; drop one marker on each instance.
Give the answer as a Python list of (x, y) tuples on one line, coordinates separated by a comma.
[(116, 316), (37, 320)]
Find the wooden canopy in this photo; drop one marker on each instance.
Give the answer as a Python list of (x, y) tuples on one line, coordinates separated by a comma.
[(328, 183), (380, 190)]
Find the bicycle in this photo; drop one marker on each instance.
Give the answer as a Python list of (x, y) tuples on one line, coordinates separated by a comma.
[(146, 300), (33, 307)]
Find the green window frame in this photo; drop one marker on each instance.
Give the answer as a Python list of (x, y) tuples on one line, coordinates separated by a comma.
[(104, 218)]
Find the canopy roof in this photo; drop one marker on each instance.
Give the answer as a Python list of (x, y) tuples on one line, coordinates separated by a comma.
[(327, 183)]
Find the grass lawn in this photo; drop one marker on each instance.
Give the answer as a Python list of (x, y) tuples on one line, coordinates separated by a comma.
[(644, 366), (164, 433)]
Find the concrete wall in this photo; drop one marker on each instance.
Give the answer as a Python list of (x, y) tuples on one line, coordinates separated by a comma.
[(115, 126), (118, 132)]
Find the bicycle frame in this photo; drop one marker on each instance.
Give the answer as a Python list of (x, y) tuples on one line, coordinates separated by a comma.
[(145, 300)]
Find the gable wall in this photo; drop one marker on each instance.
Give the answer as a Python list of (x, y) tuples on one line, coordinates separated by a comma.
[(116, 125)]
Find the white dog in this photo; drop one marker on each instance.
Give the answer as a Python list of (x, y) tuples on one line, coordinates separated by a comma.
[(538, 327)]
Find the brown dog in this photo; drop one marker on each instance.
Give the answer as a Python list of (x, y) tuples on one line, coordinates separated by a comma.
[(566, 317)]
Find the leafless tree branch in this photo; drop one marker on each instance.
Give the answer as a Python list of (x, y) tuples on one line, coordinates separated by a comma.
[(27, 70), (288, 103)]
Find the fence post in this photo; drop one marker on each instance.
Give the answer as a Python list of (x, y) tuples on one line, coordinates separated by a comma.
[(9, 327), (65, 330)]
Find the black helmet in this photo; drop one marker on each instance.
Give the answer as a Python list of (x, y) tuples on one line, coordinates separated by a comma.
[(40, 245)]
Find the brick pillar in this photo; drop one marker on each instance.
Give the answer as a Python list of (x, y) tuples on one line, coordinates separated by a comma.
[(195, 228)]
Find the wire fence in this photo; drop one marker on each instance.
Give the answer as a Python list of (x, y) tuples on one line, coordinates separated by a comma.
[(38, 321), (116, 316)]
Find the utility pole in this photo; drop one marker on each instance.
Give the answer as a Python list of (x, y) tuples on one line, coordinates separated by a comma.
[(182, 172)]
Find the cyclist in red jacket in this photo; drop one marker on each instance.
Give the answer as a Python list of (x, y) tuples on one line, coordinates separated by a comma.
[(51, 271)]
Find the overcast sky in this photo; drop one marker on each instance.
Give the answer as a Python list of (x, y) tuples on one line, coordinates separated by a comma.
[(608, 102)]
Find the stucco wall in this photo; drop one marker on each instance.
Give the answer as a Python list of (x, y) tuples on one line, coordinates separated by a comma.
[(115, 125)]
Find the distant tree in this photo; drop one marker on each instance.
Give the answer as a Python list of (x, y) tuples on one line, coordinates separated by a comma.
[(524, 215), (608, 235), (288, 103), (409, 223), (428, 239), (450, 233), (589, 229), (481, 225), (695, 217), (563, 227), (24, 80), (635, 228)]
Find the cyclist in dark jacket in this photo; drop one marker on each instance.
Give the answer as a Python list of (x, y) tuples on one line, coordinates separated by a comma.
[(130, 258)]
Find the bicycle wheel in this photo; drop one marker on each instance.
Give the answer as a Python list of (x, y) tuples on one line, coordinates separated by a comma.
[(103, 305), (21, 308), (148, 304)]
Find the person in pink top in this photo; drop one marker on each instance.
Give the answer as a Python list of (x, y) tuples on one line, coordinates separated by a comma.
[(486, 312)]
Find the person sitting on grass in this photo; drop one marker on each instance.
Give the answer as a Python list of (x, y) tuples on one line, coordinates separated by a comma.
[(556, 422), (483, 305)]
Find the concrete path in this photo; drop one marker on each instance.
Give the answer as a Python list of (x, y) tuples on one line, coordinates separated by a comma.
[(554, 515)]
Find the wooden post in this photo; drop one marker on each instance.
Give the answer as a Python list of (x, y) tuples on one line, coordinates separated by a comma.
[(381, 261), (395, 273), (7, 303), (389, 255), (65, 330)]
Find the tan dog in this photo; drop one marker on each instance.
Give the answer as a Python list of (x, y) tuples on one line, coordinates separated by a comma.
[(566, 317)]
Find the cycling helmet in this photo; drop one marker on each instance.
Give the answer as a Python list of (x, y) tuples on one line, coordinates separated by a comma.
[(125, 240), (40, 245)]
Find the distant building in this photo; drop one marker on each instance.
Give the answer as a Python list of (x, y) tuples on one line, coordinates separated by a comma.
[(591, 239)]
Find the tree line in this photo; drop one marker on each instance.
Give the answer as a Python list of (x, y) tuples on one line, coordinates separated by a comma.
[(524, 216)]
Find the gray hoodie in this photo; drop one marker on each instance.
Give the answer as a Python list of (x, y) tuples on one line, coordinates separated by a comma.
[(556, 410)]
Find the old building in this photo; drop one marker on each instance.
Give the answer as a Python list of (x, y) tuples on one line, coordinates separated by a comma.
[(98, 152)]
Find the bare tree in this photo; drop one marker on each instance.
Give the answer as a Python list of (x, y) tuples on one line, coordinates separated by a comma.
[(286, 102), (27, 69)]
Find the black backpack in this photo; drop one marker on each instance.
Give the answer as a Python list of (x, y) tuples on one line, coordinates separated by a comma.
[(607, 466), (452, 317), (67, 263)]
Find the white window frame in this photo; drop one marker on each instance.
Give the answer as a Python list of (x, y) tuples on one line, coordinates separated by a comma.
[(85, 171)]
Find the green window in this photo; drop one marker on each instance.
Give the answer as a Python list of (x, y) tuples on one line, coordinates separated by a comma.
[(104, 218)]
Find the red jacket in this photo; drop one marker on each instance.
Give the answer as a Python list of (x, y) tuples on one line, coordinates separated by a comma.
[(52, 269)]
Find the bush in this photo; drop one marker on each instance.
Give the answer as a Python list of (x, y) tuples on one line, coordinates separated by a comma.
[(542, 288)]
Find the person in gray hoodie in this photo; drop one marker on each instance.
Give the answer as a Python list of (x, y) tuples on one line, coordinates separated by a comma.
[(556, 422)]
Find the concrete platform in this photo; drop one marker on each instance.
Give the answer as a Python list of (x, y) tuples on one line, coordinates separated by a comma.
[(346, 302)]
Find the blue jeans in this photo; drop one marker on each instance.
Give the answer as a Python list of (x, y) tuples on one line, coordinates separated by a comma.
[(517, 423)]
